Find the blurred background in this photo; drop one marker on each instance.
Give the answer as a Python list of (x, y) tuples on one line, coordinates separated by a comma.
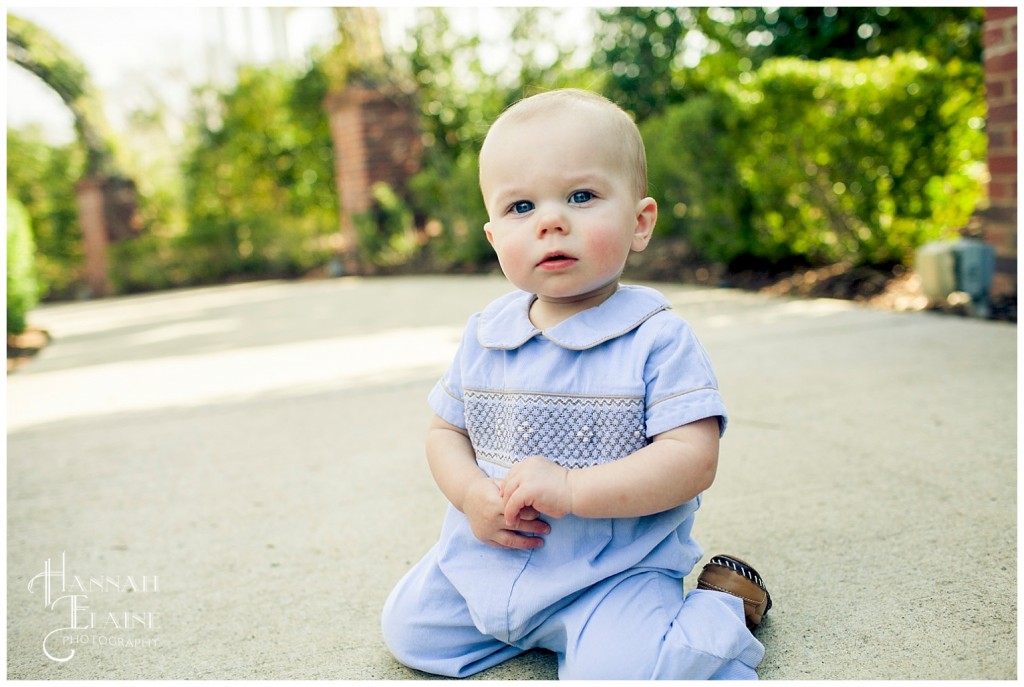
[(796, 148)]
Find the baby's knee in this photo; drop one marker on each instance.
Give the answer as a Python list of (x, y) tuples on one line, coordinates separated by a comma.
[(415, 632), (397, 631), (434, 648)]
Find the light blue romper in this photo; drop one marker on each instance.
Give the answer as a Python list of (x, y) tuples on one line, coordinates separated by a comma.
[(604, 594)]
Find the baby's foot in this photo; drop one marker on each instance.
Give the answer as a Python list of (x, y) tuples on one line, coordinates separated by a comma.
[(730, 575)]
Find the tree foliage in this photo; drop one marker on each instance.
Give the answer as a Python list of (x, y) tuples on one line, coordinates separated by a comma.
[(455, 106), (42, 178), (358, 52), (851, 33), (260, 190), (656, 57), (34, 49), (642, 50), (823, 161)]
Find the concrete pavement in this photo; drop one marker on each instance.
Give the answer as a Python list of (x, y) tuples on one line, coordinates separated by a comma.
[(226, 482)]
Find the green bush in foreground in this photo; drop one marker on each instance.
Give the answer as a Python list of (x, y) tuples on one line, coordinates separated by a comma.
[(22, 287)]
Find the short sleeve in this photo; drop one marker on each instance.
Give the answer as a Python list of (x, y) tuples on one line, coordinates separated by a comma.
[(681, 386), (446, 398)]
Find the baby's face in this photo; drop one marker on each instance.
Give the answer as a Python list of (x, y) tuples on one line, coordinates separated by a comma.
[(563, 208)]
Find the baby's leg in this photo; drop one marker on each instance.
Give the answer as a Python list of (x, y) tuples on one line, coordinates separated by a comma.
[(427, 626), (640, 627)]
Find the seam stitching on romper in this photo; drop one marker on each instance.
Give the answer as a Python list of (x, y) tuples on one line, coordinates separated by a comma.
[(508, 604)]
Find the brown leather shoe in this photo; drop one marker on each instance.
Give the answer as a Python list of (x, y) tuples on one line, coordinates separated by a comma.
[(731, 575)]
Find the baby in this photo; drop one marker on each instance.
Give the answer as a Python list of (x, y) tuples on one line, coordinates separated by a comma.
[(573, 435)]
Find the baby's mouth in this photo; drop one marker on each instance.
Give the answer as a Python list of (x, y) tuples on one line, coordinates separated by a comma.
[(555, 260)]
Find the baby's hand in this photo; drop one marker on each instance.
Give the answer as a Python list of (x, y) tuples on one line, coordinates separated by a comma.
[(536, 484), (485, 511)]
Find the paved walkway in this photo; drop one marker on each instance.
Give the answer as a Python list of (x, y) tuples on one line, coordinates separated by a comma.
[(229, 481)]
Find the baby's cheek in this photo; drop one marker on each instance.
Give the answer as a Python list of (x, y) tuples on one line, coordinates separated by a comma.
[(510, 254), (607, 246)]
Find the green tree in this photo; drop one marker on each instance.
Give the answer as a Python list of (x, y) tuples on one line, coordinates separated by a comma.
[(42, 175), (456, 102), (655, 57), (42, 178), (641, 50), (853, 33), (358, 53), (259, 181), (34, 49)]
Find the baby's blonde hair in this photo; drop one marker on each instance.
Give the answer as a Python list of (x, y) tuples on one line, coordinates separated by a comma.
[(628, 138)]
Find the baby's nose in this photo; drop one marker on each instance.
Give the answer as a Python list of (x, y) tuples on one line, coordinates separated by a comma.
[(551, 220)]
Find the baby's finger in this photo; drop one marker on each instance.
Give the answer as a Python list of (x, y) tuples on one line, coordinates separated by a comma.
[(508, 539), (514, 504), (508, 484), (533, 526), (529, 513)]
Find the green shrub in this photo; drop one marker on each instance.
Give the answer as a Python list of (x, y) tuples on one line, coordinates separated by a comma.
[(22, 288), (386, 233), (449, 193), (259, 180), (825, 161), (146, 263), (42, 177), (692, 173)]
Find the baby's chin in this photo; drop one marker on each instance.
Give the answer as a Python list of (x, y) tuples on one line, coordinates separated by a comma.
[(579, 295)]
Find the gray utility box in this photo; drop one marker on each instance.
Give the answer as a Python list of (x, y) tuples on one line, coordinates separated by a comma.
[(967, 265)]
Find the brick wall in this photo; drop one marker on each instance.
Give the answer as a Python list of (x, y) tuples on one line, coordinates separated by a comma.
[(999, 220), (376, 138)]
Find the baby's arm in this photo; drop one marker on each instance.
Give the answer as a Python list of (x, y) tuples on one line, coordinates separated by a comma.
[(675, 467), (453, 465)]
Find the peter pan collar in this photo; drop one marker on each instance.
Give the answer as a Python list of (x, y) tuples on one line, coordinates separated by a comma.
[(505, 323)]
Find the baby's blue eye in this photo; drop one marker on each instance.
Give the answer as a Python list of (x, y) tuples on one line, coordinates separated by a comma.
[(581, 197), (521, 207)]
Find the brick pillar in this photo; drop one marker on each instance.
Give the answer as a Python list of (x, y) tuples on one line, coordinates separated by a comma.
[(92, 218), (999, 220), (107, 213), (376, 139)]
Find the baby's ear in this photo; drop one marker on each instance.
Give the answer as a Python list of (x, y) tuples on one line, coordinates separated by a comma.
[(646, 218), (488, 234)]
